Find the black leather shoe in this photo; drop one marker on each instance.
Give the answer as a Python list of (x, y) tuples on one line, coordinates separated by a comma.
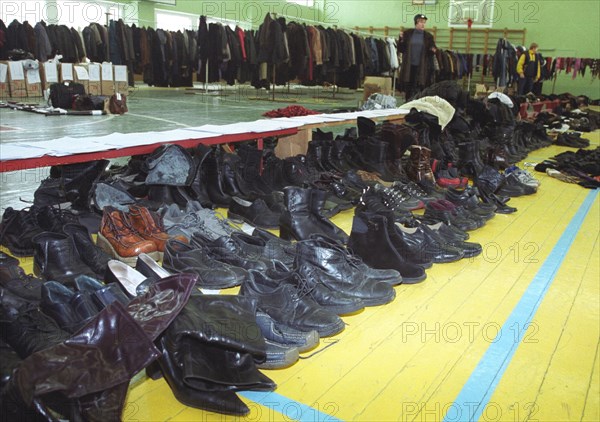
[(256, 213), (181, 257), (57, 258), (321, 289), (14, 279), (91, 255), (17, 230), (229, 250), (342, 276), (71, 310), (102, 294), (289, 306), (422, 241), (258, 248)]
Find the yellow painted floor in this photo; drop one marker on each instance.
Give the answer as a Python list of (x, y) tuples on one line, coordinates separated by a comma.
[(409, 360)]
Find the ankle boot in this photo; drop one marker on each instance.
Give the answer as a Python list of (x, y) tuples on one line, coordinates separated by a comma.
[(399, 138), (248, 175), (419, 170), (317, 205), (376, 159), (469, 161), (314, 155), (120, 240), (56, 258), (370, 240)]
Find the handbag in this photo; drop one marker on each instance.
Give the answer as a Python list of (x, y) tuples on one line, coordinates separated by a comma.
[(118, 104)]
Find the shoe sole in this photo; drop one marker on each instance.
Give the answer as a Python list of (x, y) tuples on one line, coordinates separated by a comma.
[(378, 301), (332, 329), (106, 246)]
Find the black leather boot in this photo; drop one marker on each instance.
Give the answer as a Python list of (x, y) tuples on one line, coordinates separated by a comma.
[(469, 161), (199, 185), (215, 179), (317, 205)]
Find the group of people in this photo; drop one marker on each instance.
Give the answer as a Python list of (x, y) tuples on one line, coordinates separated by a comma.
[(418, 49)]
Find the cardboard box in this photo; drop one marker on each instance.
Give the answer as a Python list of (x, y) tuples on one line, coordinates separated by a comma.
[(49, 74), (33, 82), (95, 81), (374, 84), (121, 79), (16, 80), (108, 81), (4, 80), (289, 146)]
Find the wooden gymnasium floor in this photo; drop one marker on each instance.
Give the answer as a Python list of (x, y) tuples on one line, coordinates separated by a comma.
[(511, 335)]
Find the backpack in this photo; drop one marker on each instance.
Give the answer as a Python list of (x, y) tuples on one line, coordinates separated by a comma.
[(62, 95)]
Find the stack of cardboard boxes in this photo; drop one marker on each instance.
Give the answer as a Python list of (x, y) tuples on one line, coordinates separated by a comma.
[(29, 78)]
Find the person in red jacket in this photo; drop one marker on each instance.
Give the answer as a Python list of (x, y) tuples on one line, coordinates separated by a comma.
[(529, 69)]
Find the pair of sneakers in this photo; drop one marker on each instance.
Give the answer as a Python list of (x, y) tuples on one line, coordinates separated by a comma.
[(524, 176)]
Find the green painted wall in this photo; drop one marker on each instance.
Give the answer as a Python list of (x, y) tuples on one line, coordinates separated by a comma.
[(561, 28), (567, 28)]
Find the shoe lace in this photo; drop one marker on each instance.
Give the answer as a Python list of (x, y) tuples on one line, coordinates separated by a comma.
[(122, 229)]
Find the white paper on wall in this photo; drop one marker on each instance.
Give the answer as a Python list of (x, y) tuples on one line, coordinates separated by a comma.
[(94, 72)]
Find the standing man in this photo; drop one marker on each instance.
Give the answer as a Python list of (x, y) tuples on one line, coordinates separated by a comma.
[(529, 69), (418, 48)]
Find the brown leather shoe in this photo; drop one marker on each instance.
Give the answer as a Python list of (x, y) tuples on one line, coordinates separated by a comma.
[(118, 238), (150, 227)]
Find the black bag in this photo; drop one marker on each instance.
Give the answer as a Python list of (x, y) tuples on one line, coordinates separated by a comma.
[(62, 95), (88, 102)]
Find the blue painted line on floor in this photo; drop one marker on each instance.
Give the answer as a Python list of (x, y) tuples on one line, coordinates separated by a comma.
[(291, 409), (477, 391)]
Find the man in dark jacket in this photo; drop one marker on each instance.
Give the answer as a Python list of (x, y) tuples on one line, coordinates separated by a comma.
[(418, 48), (529, 69)]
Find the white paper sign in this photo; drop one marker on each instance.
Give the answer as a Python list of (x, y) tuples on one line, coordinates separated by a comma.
[(82, 73), (16, 71), (107, 72), (120, 73), (66, 70), (3, 72), (51, 72), (33, 76), (94, 71)]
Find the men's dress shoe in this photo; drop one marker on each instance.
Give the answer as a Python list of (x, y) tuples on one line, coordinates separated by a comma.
[(14, 279), (71, 310), (285, 335), (7, 260), (428, 244), (319, 287), (149, 227), (389, 276), (513, 187), (17, 230), (102, 294), (120, 240), (182, 257), (56, 258), (442, 212), (256, 213), (341, 275), (230, 251), (287, 305), (92, 256)]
